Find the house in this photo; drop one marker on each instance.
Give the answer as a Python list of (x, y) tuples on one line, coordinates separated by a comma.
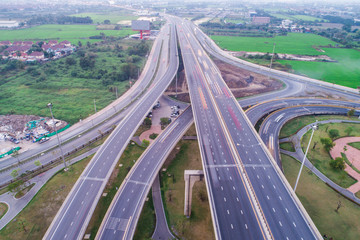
[(18, 43), (5, 43), (66, 43), (260, 20), (36, 55), (27, 43), (53, 42)]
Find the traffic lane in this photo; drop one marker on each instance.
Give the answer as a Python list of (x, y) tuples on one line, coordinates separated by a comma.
[(257, 112), (273, 127), (229, 109), (149, 96), (73, 215), (123, 211), (219, 150), (137, 184)]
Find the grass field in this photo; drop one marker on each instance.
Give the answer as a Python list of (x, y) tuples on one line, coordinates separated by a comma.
[(33, 221), (294, 125), (288, 146), (72, 33), (70, 88), (321, 206), (147, 220), (296, 17), (355, 145), (320, 158), (293, 43), (344, 72), (112, 16), (199, 226), (3, 209)]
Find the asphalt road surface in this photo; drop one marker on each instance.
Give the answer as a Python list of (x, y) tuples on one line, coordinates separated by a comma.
[(272, 209), (75, 213)]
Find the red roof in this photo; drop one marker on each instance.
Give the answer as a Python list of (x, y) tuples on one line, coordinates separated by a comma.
[(5, 42), (53, 41), (65, 42), (27, 43), (36, 54), (45, 46)]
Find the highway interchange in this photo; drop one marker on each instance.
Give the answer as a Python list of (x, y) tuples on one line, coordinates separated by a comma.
[(249, 196)]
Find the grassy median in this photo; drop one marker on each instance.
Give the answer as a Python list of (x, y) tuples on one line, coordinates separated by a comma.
[(321, 202)]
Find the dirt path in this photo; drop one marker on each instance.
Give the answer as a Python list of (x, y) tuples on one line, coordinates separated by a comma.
[(352, 154)]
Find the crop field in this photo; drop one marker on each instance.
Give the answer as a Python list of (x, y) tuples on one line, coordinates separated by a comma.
[(72, 33), (296, 17), (100, 17), (344, 72), (293, 43)]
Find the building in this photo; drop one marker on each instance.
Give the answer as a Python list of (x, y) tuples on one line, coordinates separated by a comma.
[(260, 20), (36, 55), (8, 24)]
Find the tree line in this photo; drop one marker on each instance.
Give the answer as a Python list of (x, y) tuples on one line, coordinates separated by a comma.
[(58, 19)]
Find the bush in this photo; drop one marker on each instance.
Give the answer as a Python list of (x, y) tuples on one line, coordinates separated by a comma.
[(145, 143), (334, 133), (328, 143), (153, 136), (147, 122), (338, 163)]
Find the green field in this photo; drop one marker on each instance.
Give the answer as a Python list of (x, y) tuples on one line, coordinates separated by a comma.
[(69, 87), (100, 17), (293, 43), (295, 17), (72, 33), (345, 71), (355, 145), (320, 201)]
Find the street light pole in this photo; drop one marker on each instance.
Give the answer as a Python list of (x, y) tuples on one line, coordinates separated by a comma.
[(303, 161), (56, 133)]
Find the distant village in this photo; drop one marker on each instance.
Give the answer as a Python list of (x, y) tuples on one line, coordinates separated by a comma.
[(29, 51)]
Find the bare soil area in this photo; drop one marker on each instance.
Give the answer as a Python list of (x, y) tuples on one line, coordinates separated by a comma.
[(241, 82), (297, 57)]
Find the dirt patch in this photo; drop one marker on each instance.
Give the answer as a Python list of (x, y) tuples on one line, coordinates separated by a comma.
[(241, 82)]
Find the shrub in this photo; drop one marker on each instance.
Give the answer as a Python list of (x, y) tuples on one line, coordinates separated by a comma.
[(328, 143), (338, 163), (334, 133)]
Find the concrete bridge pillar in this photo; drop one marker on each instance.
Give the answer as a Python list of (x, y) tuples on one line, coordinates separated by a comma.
[(190, 176)]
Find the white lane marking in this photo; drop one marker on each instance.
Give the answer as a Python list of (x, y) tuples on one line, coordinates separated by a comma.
[(123, 209), (267, 197), (287, 210), (222, 188), (228, 212), (232, 227), (280, 198), (71, 223), (241, 212), (273, 209), (224, 199), (237, 199), (262, 186), (294, 224), (246, 226), (280, 223), (274, 186), (77, 212), (234, 187)]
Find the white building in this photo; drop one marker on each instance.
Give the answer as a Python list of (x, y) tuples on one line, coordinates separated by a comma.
[(9, 24)]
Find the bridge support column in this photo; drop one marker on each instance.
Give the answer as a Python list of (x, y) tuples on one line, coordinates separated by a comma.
[(190, 176)]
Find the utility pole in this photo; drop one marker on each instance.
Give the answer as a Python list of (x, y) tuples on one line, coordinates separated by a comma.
[(272, 57), (303, 161), (176, 79), (116, 92), (94, 105), (57, 135)]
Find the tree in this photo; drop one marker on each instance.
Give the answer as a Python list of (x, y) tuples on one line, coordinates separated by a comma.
[(70, 61), (18, 53), (147, 122), (145, 143), (106, 21), (348, 130), (15, 173), (338, 163), (87, 62), (37, 163), (351, 112), (80, 44), (328, 143), (334, 133)]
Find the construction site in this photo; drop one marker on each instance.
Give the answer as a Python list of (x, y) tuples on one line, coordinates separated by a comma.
[(19, 133)]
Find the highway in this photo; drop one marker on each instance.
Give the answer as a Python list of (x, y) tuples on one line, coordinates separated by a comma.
[(121, 218), (276, 211), (102, 121), (271, 126), (75, 213)]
